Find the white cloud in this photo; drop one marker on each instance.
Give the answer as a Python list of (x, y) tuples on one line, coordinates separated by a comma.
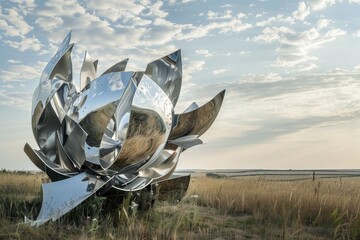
[(295, 47), (354, 1), (172, 2), (13, 61), (25, 44), (25, 6), (322, 23), (321, 4), (14, 24), (271, 34), (49, 22), (21, 72), (357, 34), (15, 99), (302, 12), (226, 6), (191, 68), (204, 52), (219, 71), (215, 15)]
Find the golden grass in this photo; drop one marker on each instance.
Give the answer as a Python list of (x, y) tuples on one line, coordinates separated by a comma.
[(249, 207), (331, 203), (21, 183)]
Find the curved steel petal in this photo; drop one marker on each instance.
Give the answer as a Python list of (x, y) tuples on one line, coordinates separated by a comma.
[(119, 67), (186, 141), (149, 126), (75, 144), (45, 125), (137, 76), (96, 62), (199, 120), (163, 169), (167, 73), (192, 107), (62, 158), (60, 66), (58, 200), (54, 171), (60, 53), (87, 72)]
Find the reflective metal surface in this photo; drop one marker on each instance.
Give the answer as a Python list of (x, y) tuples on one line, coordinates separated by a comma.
[(87, 72), (58, 200), (117, 134), (167, 73), (197, 121)]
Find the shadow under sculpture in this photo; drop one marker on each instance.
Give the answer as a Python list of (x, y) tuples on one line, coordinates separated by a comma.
[(118, 133)]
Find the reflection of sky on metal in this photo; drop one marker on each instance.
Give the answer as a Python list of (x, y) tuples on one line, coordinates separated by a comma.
[(291, 71)]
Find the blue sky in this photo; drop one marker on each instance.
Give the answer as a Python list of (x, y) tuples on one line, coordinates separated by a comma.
[(291, 70)]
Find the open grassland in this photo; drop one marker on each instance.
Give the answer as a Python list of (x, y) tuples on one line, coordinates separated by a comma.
[(226, 208)]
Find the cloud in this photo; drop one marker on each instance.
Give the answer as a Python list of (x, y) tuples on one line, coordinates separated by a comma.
[(214, 15), (295, 47), (21, 72), (302, 12), (172, 2), (25, 44), (49, 22), (13, 24), (322, 23), (13, 61), (191, 68), (219, 71), (16, 98), (226, 6), (357, 33), (25, 6), (203, 52), (321, 4)]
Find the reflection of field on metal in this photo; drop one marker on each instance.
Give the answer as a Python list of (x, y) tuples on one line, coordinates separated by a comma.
[(173, 189)]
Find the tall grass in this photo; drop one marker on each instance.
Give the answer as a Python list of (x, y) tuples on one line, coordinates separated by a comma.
[(250, 207), (330, 203)]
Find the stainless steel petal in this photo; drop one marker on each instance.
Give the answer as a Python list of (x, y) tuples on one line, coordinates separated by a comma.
[(62, 196), (54, 171), (192, 107), (137, 76), (104, 90), (87, 72), (62, 158), (119, 67), (60, 66), (117, 127), (187, 141), (75, 144), (46, 124), (164, 169), (149, 126), (96, 62), (167, 73), (199, 120)]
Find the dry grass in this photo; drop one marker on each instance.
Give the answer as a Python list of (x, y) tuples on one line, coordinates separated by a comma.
[(248, 207), (330, 203)]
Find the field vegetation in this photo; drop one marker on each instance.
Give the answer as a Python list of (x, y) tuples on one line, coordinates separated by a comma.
[(225, 208)]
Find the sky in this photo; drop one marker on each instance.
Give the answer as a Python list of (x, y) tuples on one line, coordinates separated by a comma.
[(291, 70)]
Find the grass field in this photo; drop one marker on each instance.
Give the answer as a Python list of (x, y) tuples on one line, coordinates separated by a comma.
[(225, 208)]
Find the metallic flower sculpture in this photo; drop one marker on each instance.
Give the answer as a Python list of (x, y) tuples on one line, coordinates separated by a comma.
[(117, 134)]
